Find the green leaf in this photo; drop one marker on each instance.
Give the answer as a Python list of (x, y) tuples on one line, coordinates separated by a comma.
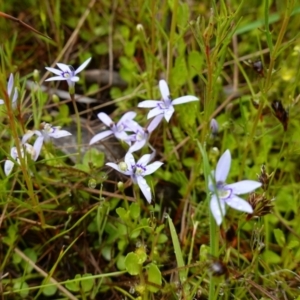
[(30, 253), (271, 257), (94, 157), (122, 213), (132, 264), (177, 250), (279, 236), (87, 284), (72, 286), (135, 211), (49, 290), (23, 287), (154, 276)]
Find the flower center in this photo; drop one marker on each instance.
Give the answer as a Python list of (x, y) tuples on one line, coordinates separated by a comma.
[(66, 75), (139, 169), (139, 136), (224, 193), (123, 166)]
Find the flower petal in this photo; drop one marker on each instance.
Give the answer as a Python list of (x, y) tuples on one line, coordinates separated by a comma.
[(74, 78), (100, 136), (81, 67), (56, 78), (144, 160), (142, 183), (127, 116), (244, 186), (8, 166), (169, 112), (217, 209), (64, 68), (27, 136), (129, 160), (122, 136), (152, 168), (149, 103), (184, 99), (60, 133), (137, 146), (154, 112), (54, 71), (116, 167), (223, 167), (164, 90), (10, 84), (105, 119), (154, 123), (37, 146), (239, 204)]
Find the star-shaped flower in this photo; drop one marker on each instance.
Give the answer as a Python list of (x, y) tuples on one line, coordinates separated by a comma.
[(118, 130), (137, 171), (165, 106), (13, 95), (67, 73), (227, 193), (47, 131), (141, 135), (33, 152)]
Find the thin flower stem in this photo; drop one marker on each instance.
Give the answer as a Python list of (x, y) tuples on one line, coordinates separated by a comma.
[(79, 136)]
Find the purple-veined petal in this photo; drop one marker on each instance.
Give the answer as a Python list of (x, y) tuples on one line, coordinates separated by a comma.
[(8, 166), (184, 99), (10, 84), (74, 78), (137, 146), (129, 160), (244, 186), (81, 67), (217, 209), (37, 146), (100, 136), (164, 90), (59, 133), (168, 113), (64, 68), (27, 136), (142, 183), (239, 204), (53, 70), (152, 168), (155, 112), (56, 78), (149, 103), (223, 167), (105, 119), (154, 123)]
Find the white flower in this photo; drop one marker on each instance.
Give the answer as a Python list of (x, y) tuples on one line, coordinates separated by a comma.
[(118, 130), (67, 72), (141, 135), (227, 193), (165, 106), (13, 95), (137, 171), (33, 152), (48, 131)]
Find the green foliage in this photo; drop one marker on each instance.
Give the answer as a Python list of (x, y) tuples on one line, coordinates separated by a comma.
[(68, 213)]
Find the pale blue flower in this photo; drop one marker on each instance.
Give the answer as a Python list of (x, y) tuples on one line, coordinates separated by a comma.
[(165, 106), (48, 131), (118, 130), (67, 73), (214, 127), (12, 94), (137, 171), (32, 151), (141, 135), (227, 193)]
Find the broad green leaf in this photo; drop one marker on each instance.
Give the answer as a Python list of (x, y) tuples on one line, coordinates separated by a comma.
[(87, 284), (279, 236), (49, 290), (132, 264), (94, 157), (271, 257), (135, 211), (23, 287), (154, 276)]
